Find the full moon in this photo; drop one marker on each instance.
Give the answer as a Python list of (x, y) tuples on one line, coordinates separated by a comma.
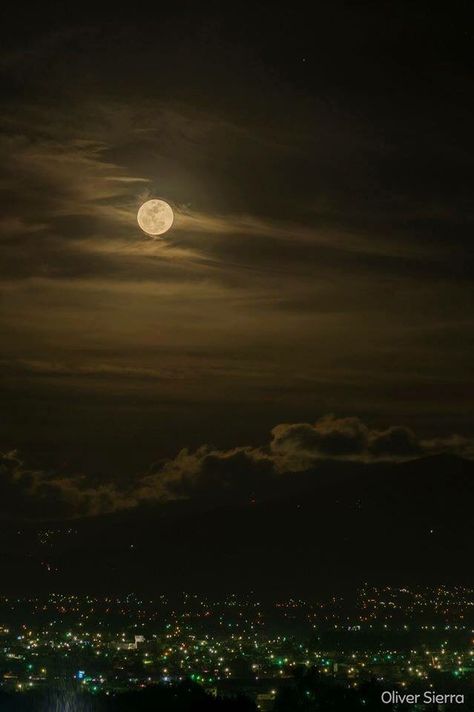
[(155, 217)]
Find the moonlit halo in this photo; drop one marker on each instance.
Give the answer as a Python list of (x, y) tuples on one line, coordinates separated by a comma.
[(155, 217)]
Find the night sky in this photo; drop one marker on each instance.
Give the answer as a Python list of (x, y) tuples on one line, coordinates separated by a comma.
[(313, 299)]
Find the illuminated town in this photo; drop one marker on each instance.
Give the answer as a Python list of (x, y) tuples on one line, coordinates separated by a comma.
[(407, 637)]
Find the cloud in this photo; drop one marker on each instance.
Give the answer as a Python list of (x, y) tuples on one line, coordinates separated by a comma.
[(396, 441), (456, 444), (35, 494), (217, 475), (298, 444), (76, 212), (293, 447), (88, 370), (297, 234)]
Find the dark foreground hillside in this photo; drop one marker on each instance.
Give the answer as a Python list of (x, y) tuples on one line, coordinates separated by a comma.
[(307, 693)]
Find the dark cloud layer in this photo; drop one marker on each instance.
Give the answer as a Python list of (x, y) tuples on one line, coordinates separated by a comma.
[(216, 475)]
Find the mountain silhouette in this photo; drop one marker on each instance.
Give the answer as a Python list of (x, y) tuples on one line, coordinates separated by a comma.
[(333, 527)]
